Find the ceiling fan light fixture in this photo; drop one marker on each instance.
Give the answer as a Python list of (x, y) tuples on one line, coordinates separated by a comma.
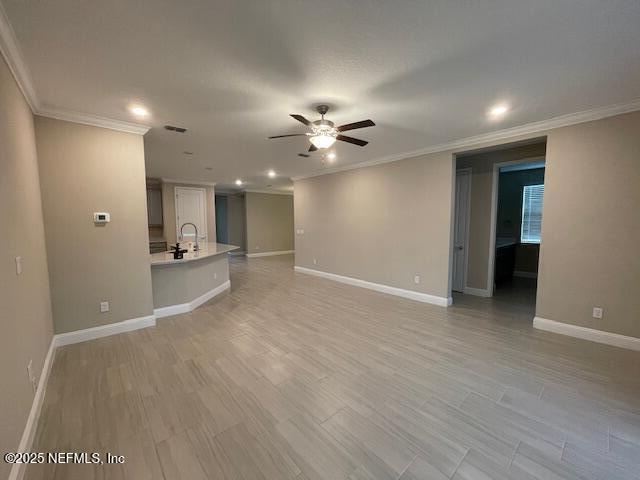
[(323, 140)]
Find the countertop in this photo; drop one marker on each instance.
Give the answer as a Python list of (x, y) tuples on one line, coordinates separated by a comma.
[(505, 242), (206, 250)]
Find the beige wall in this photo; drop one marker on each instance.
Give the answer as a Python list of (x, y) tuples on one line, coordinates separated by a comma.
[(86, 169), (382, 224), (480, 215), (387, 222), (169, 211), (25, 309), (591, 226), (269, 222)]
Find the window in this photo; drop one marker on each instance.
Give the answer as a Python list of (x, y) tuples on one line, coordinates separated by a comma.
[(531, 227)]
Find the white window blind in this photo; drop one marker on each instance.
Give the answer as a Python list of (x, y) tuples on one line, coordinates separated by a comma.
[(530, 230)]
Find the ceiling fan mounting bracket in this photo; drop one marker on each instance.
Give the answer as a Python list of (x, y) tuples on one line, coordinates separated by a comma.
[(322, 109)]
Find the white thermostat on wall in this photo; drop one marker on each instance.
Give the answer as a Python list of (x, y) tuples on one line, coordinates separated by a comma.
[(101, 217)]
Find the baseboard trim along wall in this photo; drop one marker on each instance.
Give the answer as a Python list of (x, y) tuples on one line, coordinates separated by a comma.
[(29, 433), (378, 287), (478, 292), (269, 254), (78, 336), (193, 304), (599, 336)]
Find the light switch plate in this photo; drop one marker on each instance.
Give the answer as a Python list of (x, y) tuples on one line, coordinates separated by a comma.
[(104, 307), (18, 265), (598, 312)]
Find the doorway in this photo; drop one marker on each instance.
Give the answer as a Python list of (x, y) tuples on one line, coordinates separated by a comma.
[(222, 232), (517, 226), (231, 221), (191, 207), (461, 229), (496, 231)]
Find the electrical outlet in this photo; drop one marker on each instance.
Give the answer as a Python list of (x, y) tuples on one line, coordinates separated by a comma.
[(300, 231), (18, 265), (257, 247), (598, 312), (315, 261), (215, 275), (104, 307), (416, 279)]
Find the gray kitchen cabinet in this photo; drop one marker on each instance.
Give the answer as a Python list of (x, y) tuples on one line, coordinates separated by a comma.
[(154, 207)]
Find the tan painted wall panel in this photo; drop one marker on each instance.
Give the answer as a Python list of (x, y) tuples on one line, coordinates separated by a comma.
[(25, 305), (591, 226), (85, 169), (383, 224), (269, 222)]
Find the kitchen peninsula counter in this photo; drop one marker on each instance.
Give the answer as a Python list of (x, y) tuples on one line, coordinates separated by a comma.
[(181, 285)]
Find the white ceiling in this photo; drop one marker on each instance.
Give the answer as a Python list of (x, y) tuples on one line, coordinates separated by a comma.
[(425, 71)]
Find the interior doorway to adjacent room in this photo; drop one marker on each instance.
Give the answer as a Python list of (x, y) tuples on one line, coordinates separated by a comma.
[(497, 228)]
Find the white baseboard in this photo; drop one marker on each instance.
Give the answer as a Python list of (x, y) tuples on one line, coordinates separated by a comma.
[(193, 304), (29, 433), (478, 292), (60, 340), (78, 336), (521, 274), (584, 333), (378, 287), (269, 254)]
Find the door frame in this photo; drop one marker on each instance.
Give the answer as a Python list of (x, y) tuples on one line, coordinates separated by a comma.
[(495, 185), (204, 193), (465, 171)]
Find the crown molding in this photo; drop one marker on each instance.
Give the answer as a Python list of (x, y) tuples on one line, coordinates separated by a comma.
[(270, 192), (11, 52), (499, 135), (93, 120), (188, 182)]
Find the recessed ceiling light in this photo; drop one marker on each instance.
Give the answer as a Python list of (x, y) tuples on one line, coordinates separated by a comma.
[(498, 110), (271, 173), (331, 155), (208, 168), (139, 111), (238, 182)]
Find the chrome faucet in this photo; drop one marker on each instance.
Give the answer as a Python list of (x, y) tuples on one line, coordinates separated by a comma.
[(197, 247)]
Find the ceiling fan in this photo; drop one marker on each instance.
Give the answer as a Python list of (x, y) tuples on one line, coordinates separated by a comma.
[(324, 133)]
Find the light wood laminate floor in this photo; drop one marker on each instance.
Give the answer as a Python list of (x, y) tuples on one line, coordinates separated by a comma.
[(290, 376)]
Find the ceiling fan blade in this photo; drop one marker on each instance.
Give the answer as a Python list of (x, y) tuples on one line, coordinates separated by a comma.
[(312, 148), (304, 155), (354, 125), (301, 119), (289, 135), (355, 141)]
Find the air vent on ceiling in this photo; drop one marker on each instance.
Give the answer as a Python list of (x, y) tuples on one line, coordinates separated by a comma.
[(175, 129)]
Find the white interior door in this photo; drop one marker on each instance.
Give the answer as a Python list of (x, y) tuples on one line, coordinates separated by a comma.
[(461, 229), (191, 207)]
